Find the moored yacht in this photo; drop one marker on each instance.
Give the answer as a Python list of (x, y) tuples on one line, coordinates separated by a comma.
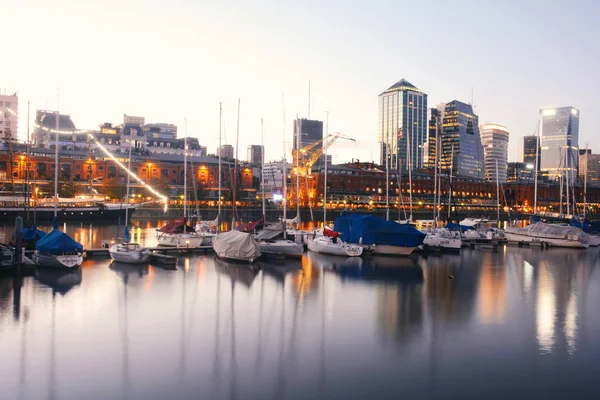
[(548, 235)]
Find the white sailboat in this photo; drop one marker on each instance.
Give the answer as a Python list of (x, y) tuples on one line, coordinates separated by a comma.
[(334, 246), (126, 252), (178, 233)]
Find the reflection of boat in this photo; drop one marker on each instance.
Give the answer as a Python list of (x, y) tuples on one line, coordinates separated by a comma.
[(237, 273), (60, 280), (125, 269), (325, 261), (58, 250), (236, 245), (280, 270), (384, 269)]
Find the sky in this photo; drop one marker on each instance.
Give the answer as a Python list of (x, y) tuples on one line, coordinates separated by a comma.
[(172, 61)]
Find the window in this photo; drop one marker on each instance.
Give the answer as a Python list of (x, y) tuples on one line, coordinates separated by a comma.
[(100, 167), (143, 170), (78, 167)]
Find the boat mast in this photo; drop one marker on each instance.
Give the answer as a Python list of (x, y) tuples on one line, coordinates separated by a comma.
[(127, 190), (185, 178), (284, 172), (450, 178), (435, 165), (56, 160), (235, 166), (219, 180), (535, 169), (409, 166), (585, 181), (27, 166), (262, 169), (567, 178), (387, 178), (298, 143), (497, 194), (325, 182)]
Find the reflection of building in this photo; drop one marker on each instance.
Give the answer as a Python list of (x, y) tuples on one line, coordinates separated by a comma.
[(494, 139), (306, 132), (462, 152), (528, 150), (400, 310), (591, 163), (9, 116), (255, 154), (492, 293), (559, 129), (226, 151), (402, 113)]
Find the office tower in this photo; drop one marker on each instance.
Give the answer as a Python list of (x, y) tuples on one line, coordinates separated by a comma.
[(307, 132), (494, 139), (435, 130), (559, 132), (591, 163), (527, 149), (226, 151), (402, 119), (462, 153), (255, 154)]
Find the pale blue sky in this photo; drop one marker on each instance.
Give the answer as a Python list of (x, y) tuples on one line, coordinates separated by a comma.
[(170, 60)]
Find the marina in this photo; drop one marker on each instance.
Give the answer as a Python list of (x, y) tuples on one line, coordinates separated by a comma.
[(295, 329)]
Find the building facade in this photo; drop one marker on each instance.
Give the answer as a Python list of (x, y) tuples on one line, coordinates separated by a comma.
[(9, 117), (519, 171), (434, 133), (528, 149), (559, 131), (589, 163), (494, 139), (402, 120), (462, 153), (130, 119), (255, 154)]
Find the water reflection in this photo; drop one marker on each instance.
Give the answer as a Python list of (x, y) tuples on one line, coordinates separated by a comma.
[(59, 280), (243, 273)]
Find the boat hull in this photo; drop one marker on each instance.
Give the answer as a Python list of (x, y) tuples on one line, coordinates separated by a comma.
[(285, 247), (181, 240), (335, 249), (138, 256), (594, 241), (387, 250), (518, 237), (437, 242), (46, 215), (60, 261)]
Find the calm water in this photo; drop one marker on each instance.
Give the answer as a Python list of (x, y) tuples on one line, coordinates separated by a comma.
[(520, 323)]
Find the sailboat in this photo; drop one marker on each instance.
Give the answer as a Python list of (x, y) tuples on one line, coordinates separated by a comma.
[(236, 245), (126, 252), (57, 249), (272, 238), (178, 233)]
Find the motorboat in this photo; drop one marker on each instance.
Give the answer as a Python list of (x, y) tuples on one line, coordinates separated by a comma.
[(236, 245), (379, 235), (443, 239), (548, 235), (330, 243), (178, 233), (271, 240), (58, 250)]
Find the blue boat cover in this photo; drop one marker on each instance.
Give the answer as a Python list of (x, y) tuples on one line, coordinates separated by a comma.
[(57, 242), (126, 235), (376, 230), (33, 233), (584, 226), (454, 227)]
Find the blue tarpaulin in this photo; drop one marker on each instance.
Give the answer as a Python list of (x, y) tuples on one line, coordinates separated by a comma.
[(126, 235), (584, 226), (33, 233), (375, 230), (57, 242)]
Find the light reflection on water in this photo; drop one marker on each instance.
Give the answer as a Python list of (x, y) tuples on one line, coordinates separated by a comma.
[(441, 326)]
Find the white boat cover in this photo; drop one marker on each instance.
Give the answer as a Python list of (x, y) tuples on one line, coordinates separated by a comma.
[(236, 245), (271, 231), (543, 230), (292, 221)]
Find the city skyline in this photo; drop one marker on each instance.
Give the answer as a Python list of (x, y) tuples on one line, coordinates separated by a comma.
[(190, 72)]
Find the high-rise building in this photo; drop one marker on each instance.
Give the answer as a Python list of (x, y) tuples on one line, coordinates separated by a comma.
[(435, 129), (402, 119), (494, 139), (226, 151), (519, 172), (462, 153), (591, 163), (528, 150), (559, 131), (255, 154), (9, 116), (307, 132)]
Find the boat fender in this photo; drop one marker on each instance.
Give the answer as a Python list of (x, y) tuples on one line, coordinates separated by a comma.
[(450, 276)]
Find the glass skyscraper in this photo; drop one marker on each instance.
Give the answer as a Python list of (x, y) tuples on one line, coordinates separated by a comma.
[(559, 132), (528, 150), (402, 113), (462, 153), (494, 139)]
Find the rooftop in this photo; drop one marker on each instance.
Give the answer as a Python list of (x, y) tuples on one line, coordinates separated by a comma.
[(401, 85)]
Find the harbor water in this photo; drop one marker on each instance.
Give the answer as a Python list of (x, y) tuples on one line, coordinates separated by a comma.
[(516, 323)]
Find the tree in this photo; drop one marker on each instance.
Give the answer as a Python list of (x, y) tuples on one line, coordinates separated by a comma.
[(66, 189), (113, 187)]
